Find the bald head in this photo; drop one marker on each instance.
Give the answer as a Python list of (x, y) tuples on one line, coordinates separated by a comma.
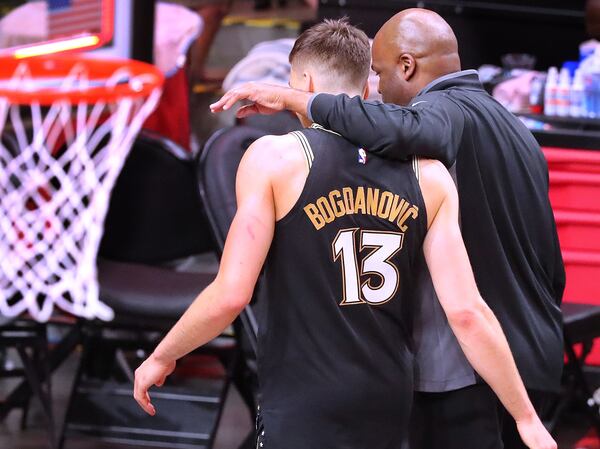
[(420, 32), (420, 46)]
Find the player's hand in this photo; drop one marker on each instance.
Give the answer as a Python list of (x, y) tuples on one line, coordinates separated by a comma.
[(151, 372), (264, 98), (534, 434)]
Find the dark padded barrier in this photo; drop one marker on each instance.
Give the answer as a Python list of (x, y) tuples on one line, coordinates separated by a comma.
[(155, 213)]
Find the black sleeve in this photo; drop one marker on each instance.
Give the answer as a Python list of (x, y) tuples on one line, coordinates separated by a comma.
[(431, 129)]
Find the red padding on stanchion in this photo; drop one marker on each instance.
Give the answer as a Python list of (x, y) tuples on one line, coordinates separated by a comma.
[(575, 191), (583, 273), (572, 160), (578, 230)]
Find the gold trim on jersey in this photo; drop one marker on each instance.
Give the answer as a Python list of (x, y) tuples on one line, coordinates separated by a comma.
[(308, 152), (317, 126), (416, 167)]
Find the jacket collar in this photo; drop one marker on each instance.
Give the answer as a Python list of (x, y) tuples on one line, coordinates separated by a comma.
[(464, 78)]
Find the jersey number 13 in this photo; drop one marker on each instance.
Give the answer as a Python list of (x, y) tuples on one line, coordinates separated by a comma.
[(384, 246)]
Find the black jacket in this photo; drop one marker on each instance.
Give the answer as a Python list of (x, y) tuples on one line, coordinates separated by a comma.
[(502, 179)]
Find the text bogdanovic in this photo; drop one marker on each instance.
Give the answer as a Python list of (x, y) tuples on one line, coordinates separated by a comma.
[(361, 200)]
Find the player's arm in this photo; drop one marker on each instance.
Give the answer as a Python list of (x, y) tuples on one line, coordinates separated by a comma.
[(220, 303), (429, 129), (474, 324)]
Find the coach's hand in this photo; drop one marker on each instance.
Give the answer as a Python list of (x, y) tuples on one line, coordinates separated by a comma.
[(534, 434), (264, 98), (151, 372)]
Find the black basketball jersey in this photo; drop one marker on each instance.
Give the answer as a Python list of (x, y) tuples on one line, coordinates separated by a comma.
[(335, 362)]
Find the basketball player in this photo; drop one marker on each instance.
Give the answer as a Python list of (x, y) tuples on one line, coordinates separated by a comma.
[(338, 234)]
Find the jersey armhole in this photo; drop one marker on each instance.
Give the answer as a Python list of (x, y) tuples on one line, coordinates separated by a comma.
[(309, 158), (305, 145), (416, 168)]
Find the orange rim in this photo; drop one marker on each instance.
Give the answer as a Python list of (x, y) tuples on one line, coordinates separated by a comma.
[(98, 71)]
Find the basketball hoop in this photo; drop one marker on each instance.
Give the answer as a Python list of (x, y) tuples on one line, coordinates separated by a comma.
[(67, 124)]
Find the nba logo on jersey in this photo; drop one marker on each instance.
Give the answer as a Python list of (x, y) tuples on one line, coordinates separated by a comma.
[(362, 156)]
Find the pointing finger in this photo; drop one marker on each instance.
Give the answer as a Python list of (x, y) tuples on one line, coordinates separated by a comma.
[(218, 105), (233, 98)]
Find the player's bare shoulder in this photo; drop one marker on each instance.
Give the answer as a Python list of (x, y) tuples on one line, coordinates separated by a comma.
[(275, 156), (280, 161), (437, 186)]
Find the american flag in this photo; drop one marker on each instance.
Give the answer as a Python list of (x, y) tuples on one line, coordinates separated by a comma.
[(73, 17)]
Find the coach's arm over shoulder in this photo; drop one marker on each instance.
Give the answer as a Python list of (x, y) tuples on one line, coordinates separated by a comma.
[(431, 128)]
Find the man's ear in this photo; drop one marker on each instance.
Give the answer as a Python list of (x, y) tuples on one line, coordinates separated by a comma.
[(407, 66), (308, 83), (366, 90)]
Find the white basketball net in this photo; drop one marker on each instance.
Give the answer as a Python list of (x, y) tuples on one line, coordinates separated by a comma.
[(58, 165)]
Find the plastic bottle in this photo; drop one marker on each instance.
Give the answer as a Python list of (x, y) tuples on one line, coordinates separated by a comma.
[(563, 93), (536, 94), (595, 85), (590, 69), (550, 92), (585, 69), (577, 96)]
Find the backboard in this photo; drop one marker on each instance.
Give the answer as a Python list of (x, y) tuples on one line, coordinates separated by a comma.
[(32, 28)]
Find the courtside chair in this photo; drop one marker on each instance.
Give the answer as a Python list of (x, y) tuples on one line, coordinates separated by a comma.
[(152, 264), (581, 328)]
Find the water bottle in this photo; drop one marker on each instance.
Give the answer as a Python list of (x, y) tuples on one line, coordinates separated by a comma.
[(536, 93), (550, 92), (577, 96), (590, 69), (563, 93)]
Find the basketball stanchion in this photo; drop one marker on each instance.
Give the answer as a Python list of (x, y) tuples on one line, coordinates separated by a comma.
[(67, 124)]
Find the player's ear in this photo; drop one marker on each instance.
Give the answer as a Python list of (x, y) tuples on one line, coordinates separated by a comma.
[(309, 83), (406, 66)]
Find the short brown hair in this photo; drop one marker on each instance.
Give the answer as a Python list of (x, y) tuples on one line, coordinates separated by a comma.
[(338, 46)]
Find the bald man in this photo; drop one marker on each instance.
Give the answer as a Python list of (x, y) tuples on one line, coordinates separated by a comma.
[(435, 110)]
